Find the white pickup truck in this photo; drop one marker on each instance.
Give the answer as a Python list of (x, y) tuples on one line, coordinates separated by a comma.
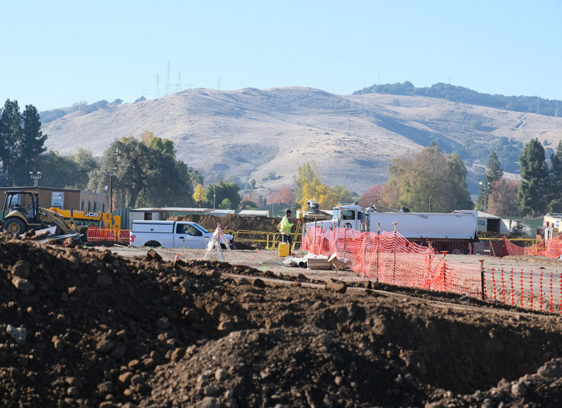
[(173, 234)]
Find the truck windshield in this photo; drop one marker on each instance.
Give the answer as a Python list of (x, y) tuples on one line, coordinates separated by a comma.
[(202, 228), (336, 214)]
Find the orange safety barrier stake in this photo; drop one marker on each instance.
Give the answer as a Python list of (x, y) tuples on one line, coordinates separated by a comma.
[(503, 288), (560, 282), (551, 295), (532, 295), (512, 288), (444, 269), (541, 297), (494, 282), (522, 289), (482, 279)]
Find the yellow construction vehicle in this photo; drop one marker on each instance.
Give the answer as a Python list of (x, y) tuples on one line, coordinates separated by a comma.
[(22, 213), (89, 219)]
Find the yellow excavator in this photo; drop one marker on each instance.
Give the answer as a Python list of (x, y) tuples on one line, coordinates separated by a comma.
[(22, 213)]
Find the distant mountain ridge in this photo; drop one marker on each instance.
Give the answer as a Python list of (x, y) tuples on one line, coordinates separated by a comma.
[(266, 134), (530, 104)]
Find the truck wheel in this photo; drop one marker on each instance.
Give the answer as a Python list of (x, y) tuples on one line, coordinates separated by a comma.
[(15, 226), (152, 244)]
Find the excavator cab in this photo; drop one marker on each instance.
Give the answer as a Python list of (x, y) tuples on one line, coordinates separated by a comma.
[(20, 212)]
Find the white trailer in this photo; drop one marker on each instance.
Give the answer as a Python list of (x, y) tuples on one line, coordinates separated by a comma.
[(450, 231)]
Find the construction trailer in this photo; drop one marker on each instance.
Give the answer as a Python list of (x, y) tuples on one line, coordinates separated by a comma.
[(454, 232)]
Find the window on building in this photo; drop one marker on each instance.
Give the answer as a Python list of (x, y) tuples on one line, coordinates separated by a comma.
[(82, 205), (148, 216), (103, 207), (95, 206), (89, 206)]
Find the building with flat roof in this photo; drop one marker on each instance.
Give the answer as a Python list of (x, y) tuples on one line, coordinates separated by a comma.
[(65, 198)]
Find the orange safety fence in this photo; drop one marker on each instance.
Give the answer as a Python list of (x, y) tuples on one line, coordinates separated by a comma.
[(95, 234), (391, 259), (551, 248)]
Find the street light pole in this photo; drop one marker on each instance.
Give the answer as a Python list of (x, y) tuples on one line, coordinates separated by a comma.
[(484, 185), (214, 196), (35, 176)]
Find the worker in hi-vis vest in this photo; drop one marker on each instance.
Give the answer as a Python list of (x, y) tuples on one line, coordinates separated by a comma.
[(285, 228)]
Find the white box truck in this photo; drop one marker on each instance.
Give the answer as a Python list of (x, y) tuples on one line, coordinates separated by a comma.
[(445, 231), (173, 234)]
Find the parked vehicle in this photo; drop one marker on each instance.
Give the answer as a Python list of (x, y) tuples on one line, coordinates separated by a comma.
[(21, 213), (445, 231), (173, 234)]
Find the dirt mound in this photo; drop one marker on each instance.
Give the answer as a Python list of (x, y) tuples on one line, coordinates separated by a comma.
[(82, 327), (233, 222)]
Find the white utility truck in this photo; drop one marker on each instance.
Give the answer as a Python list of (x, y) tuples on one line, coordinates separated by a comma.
[(446, 231), (173, 234)]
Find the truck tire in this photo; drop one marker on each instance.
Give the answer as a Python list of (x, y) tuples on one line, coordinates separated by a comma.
[(152, 244), (15, 226)]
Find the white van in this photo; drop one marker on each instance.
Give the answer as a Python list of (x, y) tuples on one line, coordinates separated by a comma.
[(173, 234)]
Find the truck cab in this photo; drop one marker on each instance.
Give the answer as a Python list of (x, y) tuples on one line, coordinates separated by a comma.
[(348, 216)]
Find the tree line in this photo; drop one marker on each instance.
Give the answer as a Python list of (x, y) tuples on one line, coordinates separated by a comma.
[(531, 104), (538, 191)]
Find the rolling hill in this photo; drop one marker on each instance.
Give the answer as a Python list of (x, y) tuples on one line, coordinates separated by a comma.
[(267, 134)]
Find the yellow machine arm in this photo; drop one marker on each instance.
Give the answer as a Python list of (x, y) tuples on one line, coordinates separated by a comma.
[(105, 220)]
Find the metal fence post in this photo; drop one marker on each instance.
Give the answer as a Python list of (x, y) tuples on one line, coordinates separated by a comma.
[(482, 279)]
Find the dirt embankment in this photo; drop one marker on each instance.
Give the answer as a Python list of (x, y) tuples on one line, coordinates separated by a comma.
[(87, 328), (232, 222)]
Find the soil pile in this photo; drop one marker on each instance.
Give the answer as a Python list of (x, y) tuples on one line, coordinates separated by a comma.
[(233, 222), (82, 327)]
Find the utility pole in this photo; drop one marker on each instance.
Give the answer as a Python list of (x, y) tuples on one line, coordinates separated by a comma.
[(214, 196), (111, 174)]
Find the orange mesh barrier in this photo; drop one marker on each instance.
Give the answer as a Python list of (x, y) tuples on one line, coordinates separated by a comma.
[(551, 248), (390, 258), (95, 234)]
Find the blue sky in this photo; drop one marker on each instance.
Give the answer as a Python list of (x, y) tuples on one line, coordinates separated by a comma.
[(55, 53)]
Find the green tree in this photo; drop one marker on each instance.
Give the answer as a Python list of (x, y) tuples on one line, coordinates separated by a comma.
[(494, 173), (531, 194), (58, 171), (429, 179), (70, 171), (10, 139), (226, 204), (86, 163), (224, 190), (555, 180), (30, 146), (143, 175), (248, 205)]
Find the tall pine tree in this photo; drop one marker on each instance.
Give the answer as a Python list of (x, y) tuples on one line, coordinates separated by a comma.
[(532, 195), (31, 144), (494, 172), (10, 138), (555, 182)]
